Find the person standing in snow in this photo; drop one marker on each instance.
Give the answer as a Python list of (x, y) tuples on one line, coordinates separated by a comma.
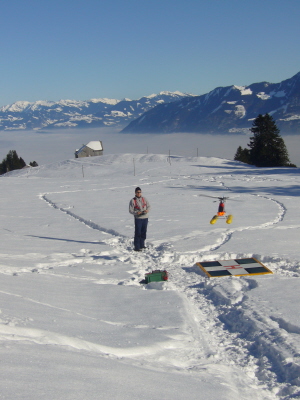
[(139, 207)]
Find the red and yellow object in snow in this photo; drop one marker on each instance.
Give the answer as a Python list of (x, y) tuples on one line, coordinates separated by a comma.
[(221, 213)]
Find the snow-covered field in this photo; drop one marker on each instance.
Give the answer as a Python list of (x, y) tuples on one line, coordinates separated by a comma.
[(75, 322)]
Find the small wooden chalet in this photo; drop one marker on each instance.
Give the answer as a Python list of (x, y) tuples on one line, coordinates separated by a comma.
[(94, 148)]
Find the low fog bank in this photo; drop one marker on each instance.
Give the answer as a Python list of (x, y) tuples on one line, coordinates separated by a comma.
[(53, 146)]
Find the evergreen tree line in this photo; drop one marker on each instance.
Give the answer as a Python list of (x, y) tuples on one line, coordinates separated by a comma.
[(266, 147), (13, 161)]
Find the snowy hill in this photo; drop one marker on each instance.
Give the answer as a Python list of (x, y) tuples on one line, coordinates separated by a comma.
[(39, 115), (75, 322), (230, 109)]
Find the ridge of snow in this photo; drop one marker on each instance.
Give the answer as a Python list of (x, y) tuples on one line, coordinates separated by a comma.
[(73, 103), (245, 91), (167, 93), (17, 106), (42, 103), (291, 118), (105, 100)]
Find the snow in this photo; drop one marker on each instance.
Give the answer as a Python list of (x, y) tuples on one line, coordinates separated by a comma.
[(244, 90), (264, 96), (88, 118), (141, 119), (41, 103), (219, 107), (16, 107), (73, 103), (150, 96), (95, 145), (105, 100), (75, 322), (118, 114), (168, 93), (293, 117), (240, 111), (16, 127), (244, 131), (68, 124)]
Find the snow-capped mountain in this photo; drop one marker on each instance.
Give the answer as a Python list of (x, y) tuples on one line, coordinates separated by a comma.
[(72, 114), (230, 109)]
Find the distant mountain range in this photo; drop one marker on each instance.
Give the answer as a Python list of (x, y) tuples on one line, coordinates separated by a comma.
[(39, 115), (230, 109)]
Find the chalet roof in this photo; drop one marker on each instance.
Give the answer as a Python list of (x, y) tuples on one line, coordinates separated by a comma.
[(95, 145)]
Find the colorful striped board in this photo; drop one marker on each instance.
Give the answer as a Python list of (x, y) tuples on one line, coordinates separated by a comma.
[(238, 267)]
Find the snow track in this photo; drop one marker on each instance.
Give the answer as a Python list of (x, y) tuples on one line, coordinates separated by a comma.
[(228, 326), (89, 224), (233, 343)]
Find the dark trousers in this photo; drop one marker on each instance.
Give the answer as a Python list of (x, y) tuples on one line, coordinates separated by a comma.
[(140, 232)]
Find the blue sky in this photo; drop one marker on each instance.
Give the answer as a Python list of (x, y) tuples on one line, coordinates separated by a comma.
[(83, 49)]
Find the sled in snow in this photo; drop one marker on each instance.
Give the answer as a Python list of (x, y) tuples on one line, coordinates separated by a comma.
[(238, 267)]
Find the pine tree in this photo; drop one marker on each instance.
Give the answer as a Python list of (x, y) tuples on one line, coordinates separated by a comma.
[(242, 155), (11, 162), (267, 148)]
